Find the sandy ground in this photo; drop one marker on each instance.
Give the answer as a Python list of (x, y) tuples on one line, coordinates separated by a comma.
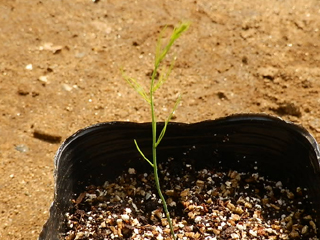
[(60, 67)]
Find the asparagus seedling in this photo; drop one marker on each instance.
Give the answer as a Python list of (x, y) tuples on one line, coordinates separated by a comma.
[(161, 53)]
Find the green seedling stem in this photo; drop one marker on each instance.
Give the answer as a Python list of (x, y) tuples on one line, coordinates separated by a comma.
[(161, 53)]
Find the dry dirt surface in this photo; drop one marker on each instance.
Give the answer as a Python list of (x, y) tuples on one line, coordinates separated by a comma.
[(60, 67)]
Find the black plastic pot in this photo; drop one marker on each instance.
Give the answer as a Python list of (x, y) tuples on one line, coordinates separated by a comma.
[(281, 150)]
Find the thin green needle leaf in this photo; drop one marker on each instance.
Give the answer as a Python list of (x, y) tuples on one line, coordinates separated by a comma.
[(164, 76), (137, 87), (141, 153), (175, 35), (159, 42), (163, 131)]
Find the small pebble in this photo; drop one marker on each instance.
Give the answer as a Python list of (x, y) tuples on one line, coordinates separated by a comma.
[(22, 148), (29, 67)]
